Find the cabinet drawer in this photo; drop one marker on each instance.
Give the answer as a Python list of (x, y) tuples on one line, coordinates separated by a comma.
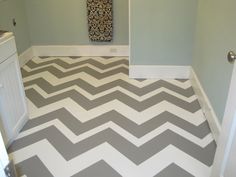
[(7, 48)]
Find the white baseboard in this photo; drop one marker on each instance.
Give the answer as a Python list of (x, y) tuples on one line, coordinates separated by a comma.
[(206, 105), (99, 50), (164, 72), (90, 50), (26, 56)]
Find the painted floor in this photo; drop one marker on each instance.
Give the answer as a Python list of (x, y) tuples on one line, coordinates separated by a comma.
[(88, 119)]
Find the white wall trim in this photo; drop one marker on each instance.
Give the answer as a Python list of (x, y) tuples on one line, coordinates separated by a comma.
[(205, 103), (26, 56), (59, 50), (4, 160), (130, 56), (89, 50), (158, 71)]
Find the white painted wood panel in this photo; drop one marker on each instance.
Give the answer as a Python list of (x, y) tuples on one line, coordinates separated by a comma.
[(81, 50), (224, 163), (13, 109), (230, 169), (4, 160), (7, 48), (159, 72)]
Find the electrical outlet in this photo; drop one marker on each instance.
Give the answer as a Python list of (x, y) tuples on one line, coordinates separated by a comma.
[(113, 50)]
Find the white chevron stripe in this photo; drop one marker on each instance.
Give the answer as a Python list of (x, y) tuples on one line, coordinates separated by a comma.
[(138, 117), (101, 94), (76, 67), (178, 83), (119, 130), (95, 82), (54, 161), (86, 77), (72, 61), (104, 61)]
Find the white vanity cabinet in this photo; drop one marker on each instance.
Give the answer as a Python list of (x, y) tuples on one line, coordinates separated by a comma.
[(13, 109)]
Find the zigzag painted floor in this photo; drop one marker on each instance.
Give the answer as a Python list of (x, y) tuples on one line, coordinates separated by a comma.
[(88, 119)]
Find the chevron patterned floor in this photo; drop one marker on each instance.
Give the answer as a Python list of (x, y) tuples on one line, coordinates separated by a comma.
[(88, 119)]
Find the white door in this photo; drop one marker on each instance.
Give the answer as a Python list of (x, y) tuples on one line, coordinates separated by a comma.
[(4, 160), (225, 160)]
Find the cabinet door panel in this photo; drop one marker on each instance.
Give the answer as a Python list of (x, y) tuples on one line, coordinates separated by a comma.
[(12, 98)]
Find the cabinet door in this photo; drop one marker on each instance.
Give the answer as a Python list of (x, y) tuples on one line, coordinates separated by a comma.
[(13, 111)]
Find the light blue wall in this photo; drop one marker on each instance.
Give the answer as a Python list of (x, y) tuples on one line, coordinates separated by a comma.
[(64, 22), (215, 26), (10, 9), (162, 31)]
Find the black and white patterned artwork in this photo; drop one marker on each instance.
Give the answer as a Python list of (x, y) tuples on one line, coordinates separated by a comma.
[(100, 20)]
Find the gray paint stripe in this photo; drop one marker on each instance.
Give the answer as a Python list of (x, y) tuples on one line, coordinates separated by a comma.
[(32, 167), (110, 57), (182, 80), (99, 169), (140, 80), (31, 64), (49, 88), (87, 104), (44, 57), (75, 57), (137, 154), (59, 74), (137, 130), (173, 171)]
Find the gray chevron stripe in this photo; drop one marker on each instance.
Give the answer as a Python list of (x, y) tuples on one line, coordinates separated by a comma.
[(59, 74), (48, 88), (140, 80), (137, 130), (182, 80), (43, 127), (31, 64), (173, 171), (137, 154), (43, 57), (46, 57), (87, 104), (110, 57), (32, 167), (100, 169), (75, 57)]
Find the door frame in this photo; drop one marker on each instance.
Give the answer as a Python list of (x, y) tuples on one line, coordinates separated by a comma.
[(227, 132), (4, 160)]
